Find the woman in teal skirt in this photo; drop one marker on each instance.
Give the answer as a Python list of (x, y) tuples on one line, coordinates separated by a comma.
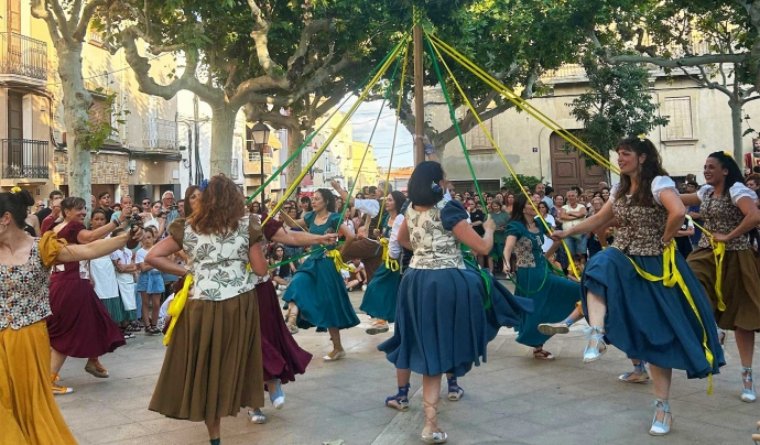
[(379, 300), (316, 295), (667, 322), (553, 296)]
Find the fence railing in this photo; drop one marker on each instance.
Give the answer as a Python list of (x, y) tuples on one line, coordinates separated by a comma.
[(159, 134), (23, 56), (24, 158)]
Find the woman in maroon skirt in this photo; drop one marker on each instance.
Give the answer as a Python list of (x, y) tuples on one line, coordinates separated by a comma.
[(282, 356), (80, 325)]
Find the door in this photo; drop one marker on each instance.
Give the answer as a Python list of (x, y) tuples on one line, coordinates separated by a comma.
[(569, 167), (15, 135)]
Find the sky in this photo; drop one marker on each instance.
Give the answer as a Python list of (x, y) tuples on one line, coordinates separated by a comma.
[(362, 123)]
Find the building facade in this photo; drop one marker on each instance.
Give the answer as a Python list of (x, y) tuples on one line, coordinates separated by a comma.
[(140, 158), (700, 123)]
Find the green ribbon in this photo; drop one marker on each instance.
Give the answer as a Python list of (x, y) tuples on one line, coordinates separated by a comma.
[(310, 137), (455, 122), (469, 258)]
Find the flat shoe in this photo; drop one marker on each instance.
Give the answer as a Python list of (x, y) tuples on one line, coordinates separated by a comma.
[(434, 437), (553, 328), (334, 355), (97, 371)]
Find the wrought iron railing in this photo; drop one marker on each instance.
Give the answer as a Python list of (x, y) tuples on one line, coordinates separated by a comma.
[(23, 56), (24, 158), (159, 134)]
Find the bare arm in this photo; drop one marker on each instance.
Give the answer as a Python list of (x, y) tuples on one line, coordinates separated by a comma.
[(509, 246), (159, 257), (403, 236), (676, 213), (690, 199), (87, 236), (95, 249), (258, 262), (600, 219), (303, 238), (750, 221), (465, 234)]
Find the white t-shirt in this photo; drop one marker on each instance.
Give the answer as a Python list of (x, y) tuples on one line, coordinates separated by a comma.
[(547, 240)]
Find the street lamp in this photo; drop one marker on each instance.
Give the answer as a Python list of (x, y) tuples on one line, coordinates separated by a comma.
[(260, 134)]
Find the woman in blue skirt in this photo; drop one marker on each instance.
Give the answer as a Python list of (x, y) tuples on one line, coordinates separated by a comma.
[(441, 323), (666, 321), (379, 300), (553, 296), (316, 295)]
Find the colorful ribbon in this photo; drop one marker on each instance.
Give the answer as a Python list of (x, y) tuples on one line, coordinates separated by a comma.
[(671, 276), (176, 307), (390, 263)]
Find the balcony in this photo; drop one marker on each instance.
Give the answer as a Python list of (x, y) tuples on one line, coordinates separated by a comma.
[(160, 135), (24, 159), (22, 58)]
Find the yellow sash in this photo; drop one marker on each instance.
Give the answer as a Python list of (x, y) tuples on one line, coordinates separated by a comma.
[(177, 305), (671, 276)]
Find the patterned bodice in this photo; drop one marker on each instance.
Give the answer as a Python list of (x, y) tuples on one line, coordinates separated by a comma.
[(528, 251), (721, 215), (434, 247), (640, 228), (218, 262), (24, 292)]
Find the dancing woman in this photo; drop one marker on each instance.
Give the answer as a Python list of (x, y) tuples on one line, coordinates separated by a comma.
[(316, 295), (729, 211), (28, 411), (441, 323), (379, 300), (213, 364), (282, 357), (80, 325), (667, 326), (553, 296)]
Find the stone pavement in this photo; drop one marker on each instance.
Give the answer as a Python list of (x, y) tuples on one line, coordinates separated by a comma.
[(511, 399)]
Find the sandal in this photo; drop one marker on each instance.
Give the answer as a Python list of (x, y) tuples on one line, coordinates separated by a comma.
[(152, 330), (596, 346), (378, 327), (96, 369), (257, 416), (291, 322), (542, 354), (455, 391), (638, 375), (401, 400), (435, 435), (661, 427)]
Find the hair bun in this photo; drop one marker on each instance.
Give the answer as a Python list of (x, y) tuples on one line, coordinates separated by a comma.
[(22, 196)]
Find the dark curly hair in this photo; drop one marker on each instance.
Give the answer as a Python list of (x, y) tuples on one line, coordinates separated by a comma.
[(328, 198)]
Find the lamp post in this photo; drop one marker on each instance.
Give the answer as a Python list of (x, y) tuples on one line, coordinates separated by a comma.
[(260, 134)]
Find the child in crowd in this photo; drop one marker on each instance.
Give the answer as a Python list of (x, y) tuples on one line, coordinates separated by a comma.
[(150, 285)]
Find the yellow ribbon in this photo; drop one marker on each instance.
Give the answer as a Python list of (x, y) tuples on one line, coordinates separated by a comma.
[(489, 136), (176, 306), (338, 260), (671, 276), (390, 263), (719, 253)]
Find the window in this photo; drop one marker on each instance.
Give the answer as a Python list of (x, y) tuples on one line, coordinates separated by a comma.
[(477, 138), (678, 111)]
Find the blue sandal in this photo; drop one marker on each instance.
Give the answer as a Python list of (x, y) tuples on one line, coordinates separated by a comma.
[(455, 391), (401, 400)]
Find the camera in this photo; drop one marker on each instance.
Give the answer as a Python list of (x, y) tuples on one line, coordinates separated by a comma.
[(135, 220)]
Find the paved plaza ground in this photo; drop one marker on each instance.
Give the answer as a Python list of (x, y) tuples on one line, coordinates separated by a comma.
[(511, 399)]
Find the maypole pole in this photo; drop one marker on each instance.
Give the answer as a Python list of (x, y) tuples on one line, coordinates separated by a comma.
[(419, 104)]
